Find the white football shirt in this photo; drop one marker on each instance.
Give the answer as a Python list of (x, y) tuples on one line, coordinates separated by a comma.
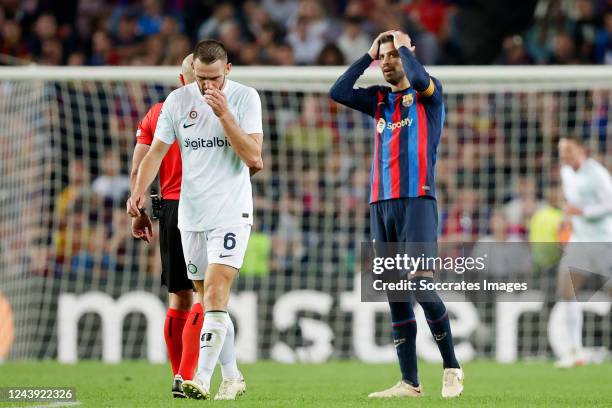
[(216, 187), (590, 189)]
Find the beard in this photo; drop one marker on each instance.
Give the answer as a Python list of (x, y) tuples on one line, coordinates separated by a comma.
[(393, 77)]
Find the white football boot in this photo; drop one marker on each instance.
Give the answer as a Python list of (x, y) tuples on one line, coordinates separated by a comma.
[(399, 390), (572, 359), (230, 389), (195, 389), (452, 382)]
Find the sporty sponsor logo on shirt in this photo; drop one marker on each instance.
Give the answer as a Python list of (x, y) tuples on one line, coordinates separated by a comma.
[(198, 143)]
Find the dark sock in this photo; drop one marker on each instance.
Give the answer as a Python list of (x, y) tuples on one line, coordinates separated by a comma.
[(437, 319), (404, 338)]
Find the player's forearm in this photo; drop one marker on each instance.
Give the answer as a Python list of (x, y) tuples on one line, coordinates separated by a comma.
[(415, 72), (146, 173), (245, 146), (343, 90), (140, 152)]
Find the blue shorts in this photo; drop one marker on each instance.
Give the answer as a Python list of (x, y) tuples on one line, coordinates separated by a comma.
[(411, 219)]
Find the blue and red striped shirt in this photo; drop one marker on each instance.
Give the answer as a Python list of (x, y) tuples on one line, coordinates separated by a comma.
[(407, 132)]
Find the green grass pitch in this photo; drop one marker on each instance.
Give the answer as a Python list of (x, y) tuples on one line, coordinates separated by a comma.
[(334, 384)]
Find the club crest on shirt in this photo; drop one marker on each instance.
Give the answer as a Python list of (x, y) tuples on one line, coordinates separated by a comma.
[(380, 126), (193, 114), (407, 100)]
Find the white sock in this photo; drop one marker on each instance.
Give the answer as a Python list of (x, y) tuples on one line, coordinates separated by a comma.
[(212, 338), (573, 315), (227, 358)]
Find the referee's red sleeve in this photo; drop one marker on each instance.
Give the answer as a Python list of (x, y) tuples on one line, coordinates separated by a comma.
[(144, 134)]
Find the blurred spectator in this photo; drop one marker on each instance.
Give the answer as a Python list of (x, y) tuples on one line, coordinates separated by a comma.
[(178, 47), (563, 52), (102, 50), (513, 52), (522, 206), (504, 256), (257, 18), (126, 40), (249, 54), (430, 14), (586, 26), (331, 55), (542, 36), (11, 41), (230, 36), (257, 256), (603, 40), (111, 185), (45, 31), (544, 228), (465, 218), (150, 21), (319, 25), (224, 12), (154, 51), (353, 42), (51, 53), (445, 32), (287, 240), (76, 58), (281, 11), (78, 187), (305, 43), (282, 54)]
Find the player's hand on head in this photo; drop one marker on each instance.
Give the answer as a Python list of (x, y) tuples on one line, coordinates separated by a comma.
[(142, 228), (401, 39), (373, 51), (215, 98), (134, 204)]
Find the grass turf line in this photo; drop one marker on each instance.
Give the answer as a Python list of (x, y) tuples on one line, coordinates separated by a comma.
[(334, 384)]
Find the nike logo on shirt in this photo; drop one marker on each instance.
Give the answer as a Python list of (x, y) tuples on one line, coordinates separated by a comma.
[(185, 126)]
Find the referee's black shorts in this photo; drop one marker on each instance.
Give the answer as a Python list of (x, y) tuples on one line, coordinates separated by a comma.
[(411, 220), (174, 272)]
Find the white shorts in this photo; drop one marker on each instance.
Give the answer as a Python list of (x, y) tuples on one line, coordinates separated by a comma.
[(587, 257), (225, 246)]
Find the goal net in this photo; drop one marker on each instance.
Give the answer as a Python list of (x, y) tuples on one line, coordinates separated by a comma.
[(75, 285)]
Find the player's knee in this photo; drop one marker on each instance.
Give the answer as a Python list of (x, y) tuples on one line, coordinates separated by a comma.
[(181, 300), (424, 293), (215, 297)]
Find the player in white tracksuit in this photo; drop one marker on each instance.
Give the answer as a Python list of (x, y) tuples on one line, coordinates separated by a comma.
[(587, 188)]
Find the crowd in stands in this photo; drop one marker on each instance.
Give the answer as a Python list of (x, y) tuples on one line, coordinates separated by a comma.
[(290, 32)]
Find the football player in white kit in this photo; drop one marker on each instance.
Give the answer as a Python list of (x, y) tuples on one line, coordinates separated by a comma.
[(218, 125), (587, 188)]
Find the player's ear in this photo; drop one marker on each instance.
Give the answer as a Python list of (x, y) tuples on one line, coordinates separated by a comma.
[(182, 79), (228, 68)]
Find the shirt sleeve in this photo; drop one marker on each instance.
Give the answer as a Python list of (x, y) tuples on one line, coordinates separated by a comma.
[(602, 179), (165, 130), (250, 117), (144, 134), (427, 86), (344, 92)]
